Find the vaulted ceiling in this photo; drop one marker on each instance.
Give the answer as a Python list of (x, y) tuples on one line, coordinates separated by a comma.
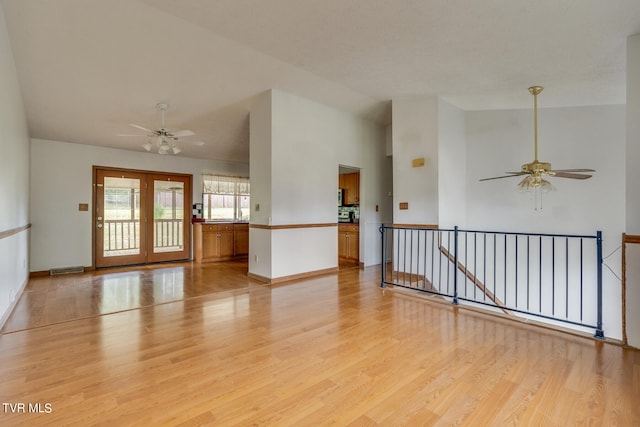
[(89, 68)]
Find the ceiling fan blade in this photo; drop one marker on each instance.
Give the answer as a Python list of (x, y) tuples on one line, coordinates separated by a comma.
[(573, 170), (198, 143), (127, 134), (505, 176), (181, 133), (142, 128), (570, 175)]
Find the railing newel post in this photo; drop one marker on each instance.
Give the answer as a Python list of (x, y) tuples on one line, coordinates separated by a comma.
[(599, 332)]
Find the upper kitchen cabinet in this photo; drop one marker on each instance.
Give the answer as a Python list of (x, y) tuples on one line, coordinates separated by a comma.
[(350, 183)]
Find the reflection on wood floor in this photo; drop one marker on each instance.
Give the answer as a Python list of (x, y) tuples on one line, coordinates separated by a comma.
[(55, 299), (210, 347)]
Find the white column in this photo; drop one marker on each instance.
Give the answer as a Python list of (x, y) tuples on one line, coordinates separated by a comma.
[(633, 191)]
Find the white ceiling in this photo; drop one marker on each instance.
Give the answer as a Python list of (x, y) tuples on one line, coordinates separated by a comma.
[(88, 68)]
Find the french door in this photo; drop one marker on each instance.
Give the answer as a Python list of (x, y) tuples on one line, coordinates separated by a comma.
[(140, 217)]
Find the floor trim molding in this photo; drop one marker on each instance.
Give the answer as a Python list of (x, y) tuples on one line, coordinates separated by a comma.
[(274, 280)]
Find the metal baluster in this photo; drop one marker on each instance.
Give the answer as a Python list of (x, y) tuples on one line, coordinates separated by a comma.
[(494, 265), (528, 262), (404, 258), (448, 267), (553, 276), (397, 233), (540, 278), (581, 270), (475, 263), (516, 304), (484, 267), (383, 258), (433, 253), (505, 268), (566, 270)]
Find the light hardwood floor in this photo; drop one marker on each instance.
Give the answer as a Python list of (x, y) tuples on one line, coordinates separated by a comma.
[(203, 345)]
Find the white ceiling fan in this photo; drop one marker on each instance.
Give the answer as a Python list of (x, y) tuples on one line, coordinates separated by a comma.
[(165, 139)]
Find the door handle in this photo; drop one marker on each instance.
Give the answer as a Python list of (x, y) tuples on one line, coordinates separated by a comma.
[(99, 225)]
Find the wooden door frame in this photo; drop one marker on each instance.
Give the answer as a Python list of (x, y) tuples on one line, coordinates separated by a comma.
[(166, 256), (188, 202)]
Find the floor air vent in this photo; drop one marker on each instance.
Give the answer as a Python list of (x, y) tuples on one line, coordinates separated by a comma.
[(66, 270)]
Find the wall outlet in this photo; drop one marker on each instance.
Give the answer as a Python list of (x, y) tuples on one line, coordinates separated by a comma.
[(255, 258)]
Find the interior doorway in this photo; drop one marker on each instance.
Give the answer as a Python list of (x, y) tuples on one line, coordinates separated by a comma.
[(348, 217), (140, 217)]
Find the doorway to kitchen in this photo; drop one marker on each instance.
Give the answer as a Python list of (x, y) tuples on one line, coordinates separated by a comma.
[(348, 217), (140, 217)]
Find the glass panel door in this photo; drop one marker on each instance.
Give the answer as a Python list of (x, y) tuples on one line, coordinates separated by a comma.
[(119, 231), (168, 216), (169, 231)]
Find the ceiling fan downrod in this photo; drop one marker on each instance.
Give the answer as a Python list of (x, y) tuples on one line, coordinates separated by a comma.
[(535, 91), (162, 106)]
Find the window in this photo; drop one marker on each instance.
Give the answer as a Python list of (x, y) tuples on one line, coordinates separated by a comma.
[(225, 198)]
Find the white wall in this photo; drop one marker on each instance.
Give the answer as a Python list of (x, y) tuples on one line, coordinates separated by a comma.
[(633, 188), (14, 179), (61, 179), (575, 137), (633, 135), (260, 175), (308, 141), (452, 166), (415, 135), (633, 294)]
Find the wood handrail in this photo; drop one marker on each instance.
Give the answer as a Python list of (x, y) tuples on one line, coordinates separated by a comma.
[(473, 278), (12, 231)]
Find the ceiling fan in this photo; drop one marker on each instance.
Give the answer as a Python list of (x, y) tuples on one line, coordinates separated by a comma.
[(165, 139), (537, 170)]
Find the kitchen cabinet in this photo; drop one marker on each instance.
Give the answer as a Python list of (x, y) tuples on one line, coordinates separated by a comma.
[(217, 242), (349, 242), (350, 183), (240, 239)]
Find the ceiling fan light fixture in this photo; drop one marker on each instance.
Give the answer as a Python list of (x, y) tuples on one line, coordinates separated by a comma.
[(536, 183), (166, 138)]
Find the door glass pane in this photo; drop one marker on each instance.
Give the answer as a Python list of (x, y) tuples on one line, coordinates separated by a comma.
[(121, 222), (168, 216)]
